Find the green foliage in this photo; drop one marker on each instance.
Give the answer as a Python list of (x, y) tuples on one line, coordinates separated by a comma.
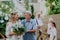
[(54, 6), (26, 4), (2, 25), (21, 18), (50, 1), (19, 31), (6, 6), (57, 6), (32, 11)]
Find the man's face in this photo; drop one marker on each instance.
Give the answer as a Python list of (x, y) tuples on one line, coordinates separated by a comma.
[(27, 16)]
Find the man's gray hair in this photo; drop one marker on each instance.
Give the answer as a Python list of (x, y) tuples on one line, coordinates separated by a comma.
[(28, 12)]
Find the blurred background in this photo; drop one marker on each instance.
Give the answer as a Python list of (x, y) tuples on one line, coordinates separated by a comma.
[(49, 8)]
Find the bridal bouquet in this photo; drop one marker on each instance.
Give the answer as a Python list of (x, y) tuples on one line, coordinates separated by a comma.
[(18, 29)]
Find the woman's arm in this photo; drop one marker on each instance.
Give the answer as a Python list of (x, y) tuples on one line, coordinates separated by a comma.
[(7, 29)]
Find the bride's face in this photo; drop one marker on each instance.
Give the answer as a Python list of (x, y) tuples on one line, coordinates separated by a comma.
[(14, 16)]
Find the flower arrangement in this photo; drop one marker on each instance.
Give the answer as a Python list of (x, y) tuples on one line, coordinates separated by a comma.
[(18, 29)]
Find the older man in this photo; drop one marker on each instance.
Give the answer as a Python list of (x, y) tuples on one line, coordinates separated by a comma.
[(30, 27), (39, 24)]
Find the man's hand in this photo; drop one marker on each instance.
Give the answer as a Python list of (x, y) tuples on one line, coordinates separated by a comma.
[(31, 31)]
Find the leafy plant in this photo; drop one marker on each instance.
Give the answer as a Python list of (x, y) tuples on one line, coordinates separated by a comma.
[(54, 6), (2, 25), (32, 11), (18, 29), (26, 4), (5, 7)]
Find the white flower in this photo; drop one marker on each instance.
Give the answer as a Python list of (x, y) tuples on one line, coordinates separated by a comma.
[(1, 21), (19, 24), (6, 17)]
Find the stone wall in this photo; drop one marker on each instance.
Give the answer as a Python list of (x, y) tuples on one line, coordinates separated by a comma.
[(57, 21)]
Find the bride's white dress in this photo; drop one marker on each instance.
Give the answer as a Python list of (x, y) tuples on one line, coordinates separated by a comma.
[(10, 29)]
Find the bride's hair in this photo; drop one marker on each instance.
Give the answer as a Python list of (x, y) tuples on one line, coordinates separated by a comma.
[(54, 24)]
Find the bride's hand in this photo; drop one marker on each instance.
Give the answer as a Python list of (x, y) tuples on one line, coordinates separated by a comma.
[(11, 34)]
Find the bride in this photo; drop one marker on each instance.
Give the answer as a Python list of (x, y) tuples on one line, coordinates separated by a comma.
[(9, 30)]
